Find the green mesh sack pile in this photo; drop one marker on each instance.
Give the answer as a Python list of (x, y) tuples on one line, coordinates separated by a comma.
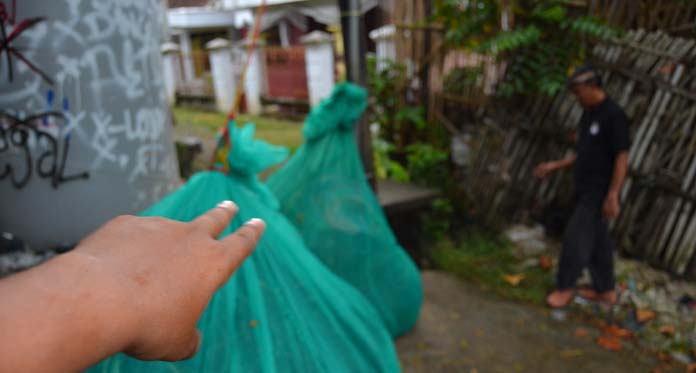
[(283, 310), (324, 192)]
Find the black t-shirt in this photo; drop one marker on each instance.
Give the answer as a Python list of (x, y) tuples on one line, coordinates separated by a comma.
[(602, 134)]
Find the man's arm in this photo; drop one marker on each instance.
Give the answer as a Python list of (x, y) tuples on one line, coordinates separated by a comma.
[(620, 144), (611, 206), (136, 285), (544, 169)]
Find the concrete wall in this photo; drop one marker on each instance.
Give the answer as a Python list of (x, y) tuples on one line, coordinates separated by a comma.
[(319, 63), (85, 133), (224, 82)]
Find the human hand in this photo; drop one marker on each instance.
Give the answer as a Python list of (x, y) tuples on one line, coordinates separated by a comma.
[(164, 273), (544, 170), (611, 207)]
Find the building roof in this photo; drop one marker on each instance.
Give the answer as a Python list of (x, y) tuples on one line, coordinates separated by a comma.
[(187, 3)]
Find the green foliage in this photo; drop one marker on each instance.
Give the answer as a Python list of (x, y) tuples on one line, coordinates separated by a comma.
[(459, 79), (383, 86), (548, 38), (385, 167), (590, 27), (421, 151), (508, 41), (437, 223), (414, 115), (553, 13), (427, 164), (486, 259)]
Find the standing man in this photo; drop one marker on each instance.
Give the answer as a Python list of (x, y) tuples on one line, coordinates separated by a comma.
[(601, 165)]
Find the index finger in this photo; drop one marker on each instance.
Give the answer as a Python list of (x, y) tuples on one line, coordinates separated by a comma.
[(217, 219)]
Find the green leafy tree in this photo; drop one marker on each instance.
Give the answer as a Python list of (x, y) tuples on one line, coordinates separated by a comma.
[(542, 40)]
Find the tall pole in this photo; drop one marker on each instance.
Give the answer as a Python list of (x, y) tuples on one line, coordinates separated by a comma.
[(354, 40), (425, 71)]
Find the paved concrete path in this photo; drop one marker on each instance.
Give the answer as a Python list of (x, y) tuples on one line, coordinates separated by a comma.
[(463, 329)]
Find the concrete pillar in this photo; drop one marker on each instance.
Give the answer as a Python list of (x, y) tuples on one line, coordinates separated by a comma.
[(384, 40), (102, 143), (284, 33), (319, 62), (187, 55), (170, 70), (255, 80), (224, 83)]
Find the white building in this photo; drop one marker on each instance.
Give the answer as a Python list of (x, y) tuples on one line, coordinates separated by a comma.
[(285, 25), (287, 21)]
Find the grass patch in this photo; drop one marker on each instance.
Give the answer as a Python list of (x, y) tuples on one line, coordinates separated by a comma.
[(487, 259), (205, 124)]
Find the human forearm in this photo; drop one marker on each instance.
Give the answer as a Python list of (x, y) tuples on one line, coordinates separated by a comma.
[(545, 169), (619, 174), (136, 285), (62, 316), (565, 162)]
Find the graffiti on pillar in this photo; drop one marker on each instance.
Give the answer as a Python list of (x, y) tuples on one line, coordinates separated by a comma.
[(106, 64), (12, 54), (8, 12), (37, 149)]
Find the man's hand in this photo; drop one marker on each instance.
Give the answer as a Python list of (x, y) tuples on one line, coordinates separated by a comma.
[(543, 170), (169, 270), (136, 285), (611, 208)]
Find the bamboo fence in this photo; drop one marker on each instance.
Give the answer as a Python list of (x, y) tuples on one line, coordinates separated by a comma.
[(650, 72), (671, 16), (651, 75)]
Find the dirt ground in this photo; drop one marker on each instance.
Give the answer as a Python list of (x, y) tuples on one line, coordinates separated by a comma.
[(464, 329)]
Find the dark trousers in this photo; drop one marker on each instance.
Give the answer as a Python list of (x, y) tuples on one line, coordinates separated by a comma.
[(587, 244)]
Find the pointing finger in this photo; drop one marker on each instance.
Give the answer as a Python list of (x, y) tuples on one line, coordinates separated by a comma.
[(216, 220)]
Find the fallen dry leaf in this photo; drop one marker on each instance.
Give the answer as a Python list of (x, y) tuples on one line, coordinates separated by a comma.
[(664, 357), (691, 368), (667, 329), (581, 332), (616, 331), (545, 262), (610, 343), (513, 280), (464, 344), (570, 353), (644, 315)]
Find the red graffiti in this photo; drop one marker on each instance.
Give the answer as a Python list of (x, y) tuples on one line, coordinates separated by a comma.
[(11, 52), (8, 13)]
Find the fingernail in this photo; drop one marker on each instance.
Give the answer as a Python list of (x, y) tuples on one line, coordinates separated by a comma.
[(228, 205), (257, 222)]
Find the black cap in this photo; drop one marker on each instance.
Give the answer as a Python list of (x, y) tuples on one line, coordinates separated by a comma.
[(585, 74)]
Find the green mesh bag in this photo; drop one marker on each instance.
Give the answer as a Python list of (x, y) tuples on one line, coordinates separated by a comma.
[(324, 192), (283, 310)]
